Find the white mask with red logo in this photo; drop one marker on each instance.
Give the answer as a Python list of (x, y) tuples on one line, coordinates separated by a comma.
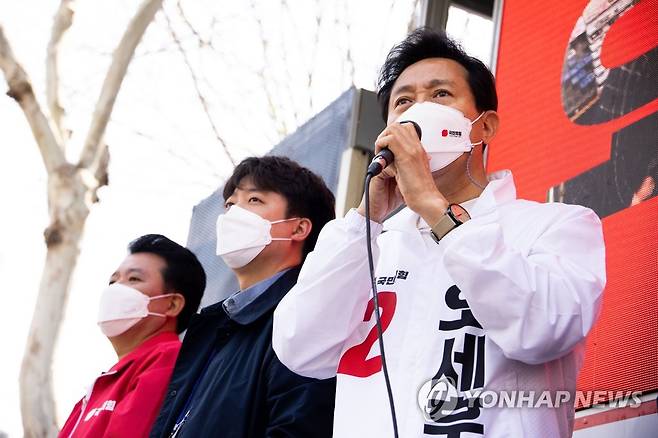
[(446, 132)]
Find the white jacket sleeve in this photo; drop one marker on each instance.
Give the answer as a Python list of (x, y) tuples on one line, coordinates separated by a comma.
[(536, 305), (320, 313)]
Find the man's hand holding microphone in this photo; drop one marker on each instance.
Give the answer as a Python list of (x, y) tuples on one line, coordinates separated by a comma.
[(407, 179)]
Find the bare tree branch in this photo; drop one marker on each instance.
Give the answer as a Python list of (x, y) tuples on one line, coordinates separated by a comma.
[(98, 170), (199, 94), (92, 149), (348, 53), (186, 158), (314, 59), (309, 72), (20, 89), (61, 23), (202, 42), (272, 108), (411, 24)]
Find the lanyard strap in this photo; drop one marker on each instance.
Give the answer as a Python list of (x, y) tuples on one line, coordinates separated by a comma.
[(185, 412)]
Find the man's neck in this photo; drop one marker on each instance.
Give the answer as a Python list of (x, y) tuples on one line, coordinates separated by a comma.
[(128, 342), (455, 183), (256, 272)]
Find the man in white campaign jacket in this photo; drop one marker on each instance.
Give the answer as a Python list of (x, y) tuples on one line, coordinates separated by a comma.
[(480, 316)]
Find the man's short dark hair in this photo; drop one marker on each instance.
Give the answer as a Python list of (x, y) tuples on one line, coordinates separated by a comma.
[(306, 193), (425, 43), (183, 274)]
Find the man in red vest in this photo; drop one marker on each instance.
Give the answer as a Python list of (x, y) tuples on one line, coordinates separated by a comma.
[(150, 299)]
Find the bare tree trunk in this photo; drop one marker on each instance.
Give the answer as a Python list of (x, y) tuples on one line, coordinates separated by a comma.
[(68, 212), (71, 191)]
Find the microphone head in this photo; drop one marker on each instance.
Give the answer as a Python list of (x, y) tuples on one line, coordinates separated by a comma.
[(387, 155), (381, 160), (419, 131)]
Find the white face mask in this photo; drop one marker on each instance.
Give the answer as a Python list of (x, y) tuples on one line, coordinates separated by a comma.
[(121, 307), (242, 235), (446, 132)]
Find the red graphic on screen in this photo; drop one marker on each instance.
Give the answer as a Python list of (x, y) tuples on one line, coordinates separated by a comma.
[(579, 112)]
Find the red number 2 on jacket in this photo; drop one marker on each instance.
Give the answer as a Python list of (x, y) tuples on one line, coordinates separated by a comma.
[(354, 362)]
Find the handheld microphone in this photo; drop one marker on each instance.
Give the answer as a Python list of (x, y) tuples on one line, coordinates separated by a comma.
[(385, 156)]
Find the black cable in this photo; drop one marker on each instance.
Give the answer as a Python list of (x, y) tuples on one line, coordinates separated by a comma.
[(376, 304)]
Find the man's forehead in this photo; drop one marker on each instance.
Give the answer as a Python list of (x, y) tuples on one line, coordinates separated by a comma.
[(141, 262), (431, 72), (404, 86), (247, 188), (128, 269), (247, 185)]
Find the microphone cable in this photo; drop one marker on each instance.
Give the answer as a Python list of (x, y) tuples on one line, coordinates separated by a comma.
[(380, 332), (375, 168)]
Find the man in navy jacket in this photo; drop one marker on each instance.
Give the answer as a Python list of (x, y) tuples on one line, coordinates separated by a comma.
[(228, 380)]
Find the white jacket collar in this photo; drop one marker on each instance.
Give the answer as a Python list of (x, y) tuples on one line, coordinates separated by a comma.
[(500, 190)]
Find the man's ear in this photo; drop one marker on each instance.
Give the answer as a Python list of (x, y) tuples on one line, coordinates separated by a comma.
[(490, 123), (176, 305), (302, 230)]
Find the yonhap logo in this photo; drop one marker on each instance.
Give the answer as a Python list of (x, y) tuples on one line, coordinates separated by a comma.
[(438, 398)]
